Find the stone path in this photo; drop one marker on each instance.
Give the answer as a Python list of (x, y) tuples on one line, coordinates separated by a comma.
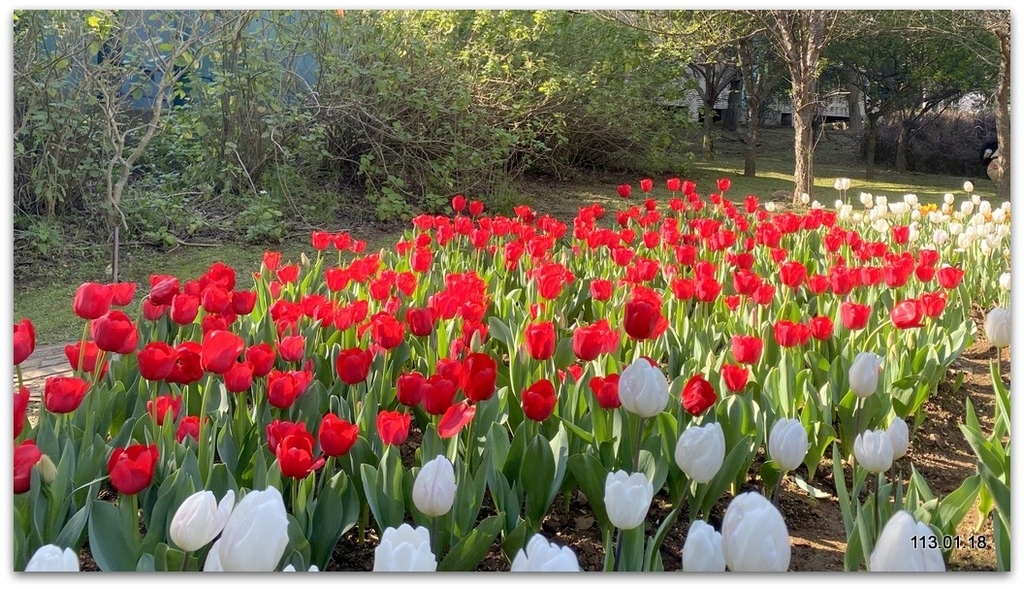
[(45, 361)]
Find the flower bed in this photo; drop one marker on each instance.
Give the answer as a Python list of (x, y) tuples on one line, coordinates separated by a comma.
[(665, 347)]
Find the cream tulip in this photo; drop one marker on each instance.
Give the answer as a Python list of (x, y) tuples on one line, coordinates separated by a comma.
[(873, 450), (404, 549), (906, 546), (541, 556), (700, 451), (863, 374), (50, 558), (433, 492), (255, 536), (754, 535), (627, 498), (997, 326), (643, 389), (199, 519), (702, 549), (788, 443)]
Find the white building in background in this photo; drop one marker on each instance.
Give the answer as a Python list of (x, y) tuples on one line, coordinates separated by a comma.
[(775, 113)]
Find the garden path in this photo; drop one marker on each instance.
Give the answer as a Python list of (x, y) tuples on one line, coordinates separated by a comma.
[(45, 361)]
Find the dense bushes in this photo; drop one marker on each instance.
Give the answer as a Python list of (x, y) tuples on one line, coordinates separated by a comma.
[(398, 110), (949, 144)]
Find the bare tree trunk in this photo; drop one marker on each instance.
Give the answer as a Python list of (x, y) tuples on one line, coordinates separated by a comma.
[(872, 140), (731, 120), (853, 102), (709, 141), (902, 147), (1003, 110), (803, 146), (753, 125)]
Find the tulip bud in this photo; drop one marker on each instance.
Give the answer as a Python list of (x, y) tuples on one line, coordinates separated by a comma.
[(754, 535), (906, 546), (433, 493), (700, 451), (873, 450), (199, 519), (788, 443), (255, 536), (47, 469), (643, 389), (51, 559), (864, 374), (404, 549), (968, 186), (627, 498), (997, 327), (702, 550), (1004, 281), (544, 557), (899, 437)]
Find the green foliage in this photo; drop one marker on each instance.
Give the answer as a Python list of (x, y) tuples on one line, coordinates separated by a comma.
[(262, 222)]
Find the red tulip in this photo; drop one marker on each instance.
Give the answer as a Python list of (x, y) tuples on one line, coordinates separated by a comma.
[(387, 331), (262, 357), (187, 427), (601, 289), (162, 289), (479, 372), (907, 314), (924, 273), (284, 387), (590, 341), (288, 274), (698, 395), (792, 274), (438, 394), (115, 332), (156, 360), (624, 190), (353, 365), (24, 340), (220, 351), (821, 327), (540, 340), (393, 426), (421, 321), (735, 377), (855, 316), (153, 312), (724, 184), (164, 403), (746, 349), (188, 366), (901, 234), (26, 455), (92, 300), (646, 184), (321, 240), (243, 301), (295, 455), (292, 348), (409, 388), (673, 184), (238, 378), (539, 400), (278, 430), (21, 399), (933, 304), (789, 334), (454, 419), (707, 289), (606, 391), (641, 318), (131, 469), (184, 309), (950, 277), (337, 436), (63, 394), (458, 203), (73, 352), (817, 283), (476, 207), (215, 299)]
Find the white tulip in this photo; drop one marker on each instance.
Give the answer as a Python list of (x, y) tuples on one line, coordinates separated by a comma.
[(544, 557), (846, 183), (966, 208), (788, 443), (997, 327), (968, 186), (976, 199), (702, 550), (404, 549), (50, 558), (769, 206), (864, 374), (873, 450), (985, 207), (911, 199), (754, 535), (627, 498), (1004, 281), (867, 200), (805, 198), (433, 492), (200, 518), (643, 389), (899, 437), (255, 536), (906, 546), (838, 185), (948, 198), (700, 451)]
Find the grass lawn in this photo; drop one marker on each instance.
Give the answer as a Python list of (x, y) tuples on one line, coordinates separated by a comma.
[(47, 300)]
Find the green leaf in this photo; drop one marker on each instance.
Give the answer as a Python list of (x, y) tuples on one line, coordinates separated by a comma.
[(112, 547), (591, 474), (468, 552), (336, 511), (538, 471)]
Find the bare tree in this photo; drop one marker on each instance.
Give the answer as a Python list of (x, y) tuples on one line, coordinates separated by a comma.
[(800, 36)]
